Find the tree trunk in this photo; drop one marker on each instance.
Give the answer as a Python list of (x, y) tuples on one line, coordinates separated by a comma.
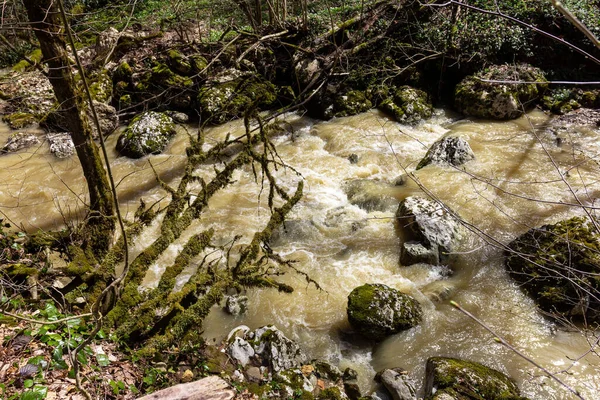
[(46, 22)]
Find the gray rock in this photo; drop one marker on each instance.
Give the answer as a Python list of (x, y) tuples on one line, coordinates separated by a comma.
[(429, 223), (399, 384), (18, 141), (448, 151), (148, 133), (209, 388), (61, 144), (179, 117), (236, 305), (415, 252), (277, 350), (253, 374), (478, 98), (241, 351), (107, 118), (408, 105), (377, 311)]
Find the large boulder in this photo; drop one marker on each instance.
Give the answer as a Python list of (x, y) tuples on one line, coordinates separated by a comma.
[(148, 133), (455, 379), (264, 346), (450, 150), (407, 104), (377, 311), (209, 388), (558, 265), (502, 101), (430, 224), (398, 383)]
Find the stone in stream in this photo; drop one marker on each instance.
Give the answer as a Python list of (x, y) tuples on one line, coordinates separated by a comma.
[(407, 105), (18, 141), (61, 144), (108, 120), (236, 305), (398, 383), (476, 97), (377, 311), (450, 150), (455, 379), (428, 223), (370, 195), (555, 265), (148, 133)]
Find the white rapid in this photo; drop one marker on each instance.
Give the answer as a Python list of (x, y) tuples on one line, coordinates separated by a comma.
[(518, 180)]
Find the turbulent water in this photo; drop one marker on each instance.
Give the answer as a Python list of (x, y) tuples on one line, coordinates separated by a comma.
[(521, 178)]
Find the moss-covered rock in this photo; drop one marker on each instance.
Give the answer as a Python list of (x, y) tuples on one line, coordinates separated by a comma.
[(19, 120), (22, 66), (562, 100), (407, 104), (451, 378), (123, 72), (559, 266), (198, 63), (178, 62), (231, 98), (148, 133), (351, 103), (101, 86), (501, 101), (377, 311), (108, 119)]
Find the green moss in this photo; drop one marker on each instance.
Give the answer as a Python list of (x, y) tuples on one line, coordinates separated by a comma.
[(470, 380), (101, 86), (178, 62), (21, 270), (557, 265), (332, 393), (123, 72), (19, 120), (406, 104), (198, 63), (351, 103), (23, 65), (378, 311)]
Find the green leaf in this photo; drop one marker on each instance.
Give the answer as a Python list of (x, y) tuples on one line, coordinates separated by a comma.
[(73, 323), (82, 358), (51, 311), (28, 383), (103, 360), (37, 393), (101, 334)]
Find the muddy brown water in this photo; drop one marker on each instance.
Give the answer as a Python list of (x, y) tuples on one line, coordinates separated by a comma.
[(511, 186)]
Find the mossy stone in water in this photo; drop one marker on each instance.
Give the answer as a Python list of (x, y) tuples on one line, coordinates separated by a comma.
[(476, 97), (19, 120), (351, 103), (377, 311), (407, 104), (148, 133), (452, 378), (559, 266)]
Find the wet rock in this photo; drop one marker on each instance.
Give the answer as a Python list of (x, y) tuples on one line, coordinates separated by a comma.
[(451, 378), (277, 350), (448, 151), (399, 384), (428, 223), (581, 117), (502, 101), (236, 305), (148, 133), (415, 252), (209, 388), (563, 100), (61, 144), (105, 42), (179, 62), (28, 92), (408, 105), (265, 346), (351, 387), (19, 120), (18, 141), (179, 117), (370, 195), (377, 311), (555, 263)]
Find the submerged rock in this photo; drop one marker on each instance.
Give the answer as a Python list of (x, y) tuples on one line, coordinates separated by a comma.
[(502, 101), (18, 141), (407, 104), (370, 195), (19, 120), (455, 379), (558, 266), (148, 133), (61, 144), (448, 151), (377, 311), (236, 305), (428, 223)]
